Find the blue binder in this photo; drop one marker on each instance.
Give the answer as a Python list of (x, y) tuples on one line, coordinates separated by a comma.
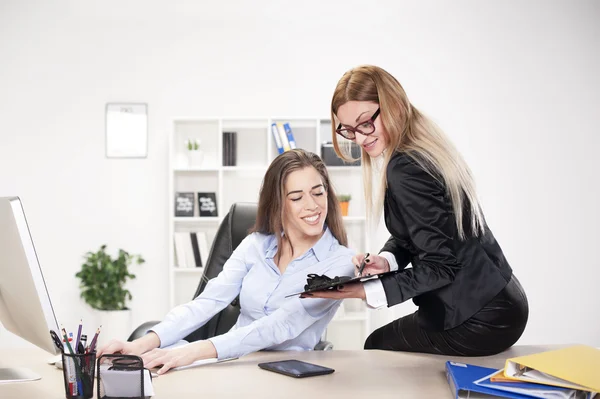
[(466, 379), (277, 138), (290, 135), (461, 379)]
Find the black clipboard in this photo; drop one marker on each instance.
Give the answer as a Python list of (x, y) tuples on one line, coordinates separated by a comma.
[(328, 284)]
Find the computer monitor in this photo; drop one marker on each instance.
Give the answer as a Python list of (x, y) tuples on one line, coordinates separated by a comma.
[(25, 305)]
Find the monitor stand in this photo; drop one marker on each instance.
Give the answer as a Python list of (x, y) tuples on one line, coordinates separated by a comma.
[(17, 374)]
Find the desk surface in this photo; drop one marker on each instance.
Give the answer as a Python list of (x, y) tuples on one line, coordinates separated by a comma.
[(357, 374)]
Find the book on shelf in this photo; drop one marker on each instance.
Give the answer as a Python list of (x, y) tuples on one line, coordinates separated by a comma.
[(184, 204), (207, 205), (229, 148), (191, 249)]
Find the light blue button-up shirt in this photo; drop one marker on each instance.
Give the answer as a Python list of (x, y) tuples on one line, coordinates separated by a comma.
[(267, 319)]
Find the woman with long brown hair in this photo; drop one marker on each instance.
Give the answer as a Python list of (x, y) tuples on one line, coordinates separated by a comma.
[(299, 231), (469, 302)]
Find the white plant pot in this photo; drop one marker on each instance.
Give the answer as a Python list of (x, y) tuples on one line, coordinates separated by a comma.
[(116, 324), (195, 158)]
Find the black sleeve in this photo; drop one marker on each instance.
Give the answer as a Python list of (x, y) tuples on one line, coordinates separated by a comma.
[(429, 218), (401, 254)]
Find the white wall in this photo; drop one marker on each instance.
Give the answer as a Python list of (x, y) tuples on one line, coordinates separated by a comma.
[(515, 84)]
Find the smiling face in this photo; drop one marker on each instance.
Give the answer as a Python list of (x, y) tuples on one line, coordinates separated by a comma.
[(354, 114), (305, 208)]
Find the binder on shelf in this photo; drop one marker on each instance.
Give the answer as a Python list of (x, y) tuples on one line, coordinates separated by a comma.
[(196, 248), (191, 249), (179, 250), (277, 138), (202, 246), (289, 135), (284, 140), (229, 148)]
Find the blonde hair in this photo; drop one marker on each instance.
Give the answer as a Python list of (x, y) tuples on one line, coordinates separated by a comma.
[(411, 132)]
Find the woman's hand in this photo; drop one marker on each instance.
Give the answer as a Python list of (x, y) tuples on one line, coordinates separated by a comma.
[(137, 347), (374, 264), (353, 290), (177, 357), (123, 347)]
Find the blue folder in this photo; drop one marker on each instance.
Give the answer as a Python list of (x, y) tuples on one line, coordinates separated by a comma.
[(461, 379), (467, 380)]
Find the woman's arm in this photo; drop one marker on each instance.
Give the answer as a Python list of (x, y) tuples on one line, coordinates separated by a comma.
[(218, 293), (427, 213), (397, 256), (287, 322)]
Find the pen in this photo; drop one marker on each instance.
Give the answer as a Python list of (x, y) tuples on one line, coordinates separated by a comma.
[(76, 385), (78, 335), (363, 264), (82, 343)]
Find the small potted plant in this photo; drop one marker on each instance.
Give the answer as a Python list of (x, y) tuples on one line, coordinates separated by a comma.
[(195, 154), (102, 287), (344, 203)]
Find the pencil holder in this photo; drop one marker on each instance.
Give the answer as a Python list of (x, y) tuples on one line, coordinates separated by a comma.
[(78, 373)]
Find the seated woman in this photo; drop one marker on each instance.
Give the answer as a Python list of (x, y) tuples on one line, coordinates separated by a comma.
[(299, 230)]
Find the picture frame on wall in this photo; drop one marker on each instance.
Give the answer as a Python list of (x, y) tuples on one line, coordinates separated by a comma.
[(126, 130)]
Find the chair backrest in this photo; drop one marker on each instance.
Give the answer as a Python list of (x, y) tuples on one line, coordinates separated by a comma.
[(232, 230)]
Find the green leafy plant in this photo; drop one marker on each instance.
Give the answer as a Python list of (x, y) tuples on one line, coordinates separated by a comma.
[(193, 145), (344, 197), (103, 279)]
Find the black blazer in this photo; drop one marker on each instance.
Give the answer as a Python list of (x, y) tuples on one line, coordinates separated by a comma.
[(450, 279)]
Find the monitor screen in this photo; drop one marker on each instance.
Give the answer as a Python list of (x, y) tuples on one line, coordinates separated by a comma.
[(25, 305)]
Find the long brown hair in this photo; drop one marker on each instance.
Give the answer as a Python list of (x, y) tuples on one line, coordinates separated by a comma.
[(409, 131), (269, 219)]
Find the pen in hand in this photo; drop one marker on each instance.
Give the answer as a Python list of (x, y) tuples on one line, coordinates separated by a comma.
[(363, 264)]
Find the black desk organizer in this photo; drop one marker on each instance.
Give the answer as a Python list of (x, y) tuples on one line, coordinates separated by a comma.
[(130, 363)]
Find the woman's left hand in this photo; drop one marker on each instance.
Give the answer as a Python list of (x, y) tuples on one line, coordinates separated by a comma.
[(353, 290), (177, 357)]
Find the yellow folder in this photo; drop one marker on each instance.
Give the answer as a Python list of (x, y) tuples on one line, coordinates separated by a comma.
[(576, 367)]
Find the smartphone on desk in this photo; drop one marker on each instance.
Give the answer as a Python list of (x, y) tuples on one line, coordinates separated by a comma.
[(296, 368)]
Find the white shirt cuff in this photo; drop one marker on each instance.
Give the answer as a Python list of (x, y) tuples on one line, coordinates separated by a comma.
[(375, 294), (391, 260)]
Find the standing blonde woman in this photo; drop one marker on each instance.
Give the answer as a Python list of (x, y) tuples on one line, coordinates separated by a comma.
[(469, 302)]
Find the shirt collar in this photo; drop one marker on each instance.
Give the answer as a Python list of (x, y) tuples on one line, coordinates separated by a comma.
[(272, 247), (320, 249)]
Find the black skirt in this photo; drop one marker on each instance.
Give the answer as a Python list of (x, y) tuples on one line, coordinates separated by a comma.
[(493, 329)]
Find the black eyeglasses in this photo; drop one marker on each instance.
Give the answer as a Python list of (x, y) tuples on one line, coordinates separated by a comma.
[(366, 128)]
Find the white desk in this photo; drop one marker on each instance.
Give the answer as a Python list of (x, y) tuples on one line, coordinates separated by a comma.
[(358, 374)]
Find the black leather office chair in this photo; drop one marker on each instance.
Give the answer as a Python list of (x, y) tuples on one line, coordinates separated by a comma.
[(232, 230)]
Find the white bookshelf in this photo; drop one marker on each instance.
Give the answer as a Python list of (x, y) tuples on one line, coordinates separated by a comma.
[(241, 183)]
